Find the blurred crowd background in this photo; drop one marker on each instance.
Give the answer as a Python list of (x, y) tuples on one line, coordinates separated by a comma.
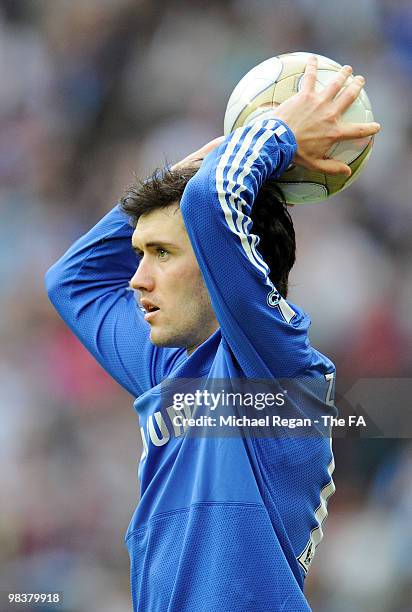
[(95, 90)]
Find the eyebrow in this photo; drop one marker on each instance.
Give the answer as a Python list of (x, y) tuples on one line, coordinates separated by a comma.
[(154, 243)]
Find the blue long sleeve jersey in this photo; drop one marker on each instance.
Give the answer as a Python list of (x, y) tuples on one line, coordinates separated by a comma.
[(223, 523)]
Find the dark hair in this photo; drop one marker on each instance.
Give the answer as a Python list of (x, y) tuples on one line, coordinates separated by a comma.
[(271, 219)]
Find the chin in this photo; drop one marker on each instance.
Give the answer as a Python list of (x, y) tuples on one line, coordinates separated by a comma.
[(165, 340), (169, 340)]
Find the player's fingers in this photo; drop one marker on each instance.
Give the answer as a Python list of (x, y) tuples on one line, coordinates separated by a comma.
[(352, 131), (332, 166), (309, 76), (336, 84), (210, 146), (206, 149), (197, 157), (348, 95)]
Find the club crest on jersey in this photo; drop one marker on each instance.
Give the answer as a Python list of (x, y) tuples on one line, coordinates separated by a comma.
[(273, 298)]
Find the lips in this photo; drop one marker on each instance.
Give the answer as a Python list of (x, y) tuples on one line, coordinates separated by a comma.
[(150, 309), (150, 315), (148, 305)]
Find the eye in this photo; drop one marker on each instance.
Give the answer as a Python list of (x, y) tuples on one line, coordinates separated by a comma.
[(162, 253)]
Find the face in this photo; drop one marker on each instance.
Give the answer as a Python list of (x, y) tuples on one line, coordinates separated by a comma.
[(171, 286)]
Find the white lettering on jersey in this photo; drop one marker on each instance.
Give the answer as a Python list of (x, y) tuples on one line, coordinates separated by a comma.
[(164, 432)]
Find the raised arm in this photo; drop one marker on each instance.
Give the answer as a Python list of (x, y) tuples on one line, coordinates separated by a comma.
[(89, 286), (267, 335), (216, 208)]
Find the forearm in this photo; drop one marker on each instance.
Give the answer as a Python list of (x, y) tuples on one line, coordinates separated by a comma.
[(89, 287), (99, 260)]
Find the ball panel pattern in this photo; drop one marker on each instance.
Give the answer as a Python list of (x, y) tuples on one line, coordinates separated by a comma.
[(274, 81)]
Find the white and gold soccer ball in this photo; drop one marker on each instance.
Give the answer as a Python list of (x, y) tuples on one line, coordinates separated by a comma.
[(274, 81)]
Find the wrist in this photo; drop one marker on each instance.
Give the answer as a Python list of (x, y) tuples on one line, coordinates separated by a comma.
[(270, 114)]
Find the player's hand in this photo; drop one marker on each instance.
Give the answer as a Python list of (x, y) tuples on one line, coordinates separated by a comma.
[(196, 158), (315, 119)]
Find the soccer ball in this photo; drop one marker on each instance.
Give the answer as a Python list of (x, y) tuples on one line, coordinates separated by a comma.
[(274, 81)]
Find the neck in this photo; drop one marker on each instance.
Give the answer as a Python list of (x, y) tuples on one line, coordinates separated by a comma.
[(191, 349)]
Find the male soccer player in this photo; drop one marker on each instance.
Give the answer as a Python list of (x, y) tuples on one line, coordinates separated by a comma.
[(228, 524)]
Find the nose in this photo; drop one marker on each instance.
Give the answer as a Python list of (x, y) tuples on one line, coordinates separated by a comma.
[(142, 279)]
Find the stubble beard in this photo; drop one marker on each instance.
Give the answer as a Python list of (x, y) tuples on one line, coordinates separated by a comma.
[(194, 325)]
